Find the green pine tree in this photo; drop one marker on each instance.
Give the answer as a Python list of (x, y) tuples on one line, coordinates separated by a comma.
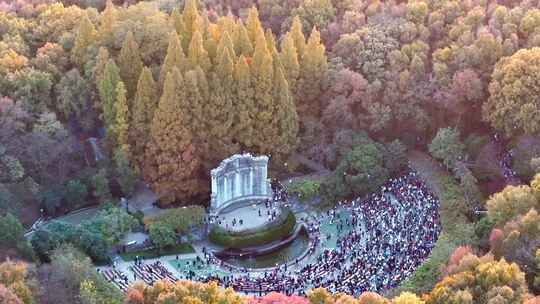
[(130, 64), (121, 125), (107, 93), (144, 106)]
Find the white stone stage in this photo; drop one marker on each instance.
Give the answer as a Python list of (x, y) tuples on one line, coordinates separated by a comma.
[(252, 217), (239, 178)]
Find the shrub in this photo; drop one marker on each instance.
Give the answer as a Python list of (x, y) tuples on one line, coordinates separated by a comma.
[(179, 219), (76, 193), (304, 190)]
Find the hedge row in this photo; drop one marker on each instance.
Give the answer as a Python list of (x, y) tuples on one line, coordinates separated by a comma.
[(266, 235)]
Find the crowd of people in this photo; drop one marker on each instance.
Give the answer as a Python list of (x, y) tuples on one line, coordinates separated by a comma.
[(116, 277), (505, 160), (382, 240)]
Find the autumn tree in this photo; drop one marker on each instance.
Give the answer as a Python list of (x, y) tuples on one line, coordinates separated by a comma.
[(220, 111), (14, 283), (312, 77), (121, 123), (290, 60), (72, 94), (108, 18), (171, 156), (481, 280), (285, 116), (175, 58), (197, 54), (107, 91), (407, 298), (142, 114), (511, 202), (371, 298), (244, 105), (184, 292), (86, 35), (191, 22), (513, 106), (262, 72), (130, 64), (447, 146), (518, 241)]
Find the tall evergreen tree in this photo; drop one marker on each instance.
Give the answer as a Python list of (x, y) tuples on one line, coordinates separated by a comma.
[(210, 42), (197, 55), (312, 79), (107, 93), (192, 22), (99, 68), (97, 74), (144, 106), (219, 111), (121, 125), (178, 21), (225, 42), (107, 20), (242, 43), (86, 35), (298, 36), (285, 117), (130, 64), (244, 105), (194, 88), (253, 25), (175, 58), (270, 41), (171, 158), (227, 23), (289, 59), (262, 80)]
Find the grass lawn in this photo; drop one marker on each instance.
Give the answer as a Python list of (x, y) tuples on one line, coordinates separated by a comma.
[(153, 253)]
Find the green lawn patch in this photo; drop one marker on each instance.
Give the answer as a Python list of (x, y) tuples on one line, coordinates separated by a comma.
[(153, 253)]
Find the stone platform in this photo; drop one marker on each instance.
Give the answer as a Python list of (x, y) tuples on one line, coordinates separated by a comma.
[(253, 217)]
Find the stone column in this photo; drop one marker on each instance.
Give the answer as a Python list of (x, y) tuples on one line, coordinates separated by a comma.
[(238, 188), (226, 189), (264, 182), (250, 192), (214, 192)]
